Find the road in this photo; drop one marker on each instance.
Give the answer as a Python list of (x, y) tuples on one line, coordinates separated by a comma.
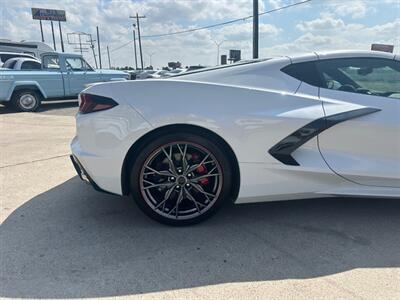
[(61, 239), (57, 108)]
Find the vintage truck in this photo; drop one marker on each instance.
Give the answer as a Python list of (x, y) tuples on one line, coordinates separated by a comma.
[(62, 76)]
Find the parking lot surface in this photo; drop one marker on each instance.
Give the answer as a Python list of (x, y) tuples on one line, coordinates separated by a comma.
[(61, 239)]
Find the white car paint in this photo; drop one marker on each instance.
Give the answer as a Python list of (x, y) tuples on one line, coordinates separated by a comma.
[(253, 107), (17, 62)]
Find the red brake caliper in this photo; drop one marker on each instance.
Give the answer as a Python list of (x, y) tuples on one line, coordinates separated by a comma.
[(202, 170)]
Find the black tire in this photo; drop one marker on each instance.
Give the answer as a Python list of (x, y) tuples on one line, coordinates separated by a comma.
[(26, 100), (220, 181)]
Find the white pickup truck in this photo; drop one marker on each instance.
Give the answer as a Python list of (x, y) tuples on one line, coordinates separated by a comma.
[(62, 76)]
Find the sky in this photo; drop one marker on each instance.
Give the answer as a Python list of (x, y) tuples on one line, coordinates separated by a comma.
[(316, 25)]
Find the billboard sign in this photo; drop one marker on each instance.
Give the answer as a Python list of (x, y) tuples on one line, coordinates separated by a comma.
[(48, 14), (235, 55), (382, 47)]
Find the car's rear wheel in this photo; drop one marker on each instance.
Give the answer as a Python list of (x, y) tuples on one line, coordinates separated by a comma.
[(26, 100), (181, 178)]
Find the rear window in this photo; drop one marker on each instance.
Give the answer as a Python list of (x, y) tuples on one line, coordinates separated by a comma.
[(305, 71), (30, 65)]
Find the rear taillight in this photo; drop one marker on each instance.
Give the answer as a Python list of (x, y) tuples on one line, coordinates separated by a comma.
[(91, 103)]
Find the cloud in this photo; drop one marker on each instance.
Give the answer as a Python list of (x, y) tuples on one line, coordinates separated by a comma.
[(321, 35), (356, 9), (321, 24)]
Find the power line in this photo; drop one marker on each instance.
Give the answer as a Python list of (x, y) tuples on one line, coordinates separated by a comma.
[(214, 25), (225, 23)]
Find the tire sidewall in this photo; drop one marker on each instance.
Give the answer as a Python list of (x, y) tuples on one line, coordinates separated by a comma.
[(215, 149), (17, 100)]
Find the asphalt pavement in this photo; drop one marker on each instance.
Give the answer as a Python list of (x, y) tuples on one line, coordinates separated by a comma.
[(61, 239)]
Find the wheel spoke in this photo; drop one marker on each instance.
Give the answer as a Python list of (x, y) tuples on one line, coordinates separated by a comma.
[(201, 190), (180, 197), (169, 157), (162, 173), (183, 153), (191, 198), (166, 197), (194, 167), (154, 185), (205, 176)]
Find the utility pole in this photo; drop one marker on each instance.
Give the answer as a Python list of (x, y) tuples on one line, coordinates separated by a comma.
[(94, 54), (80, 43), (134, 44), (255, 28), (41, 30), (98, 44), (109, 61), (54, 39), (218, 45), (61, 37), (140, 42)]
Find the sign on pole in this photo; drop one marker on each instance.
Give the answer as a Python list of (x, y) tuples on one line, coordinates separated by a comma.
[(48, 14), (382, 47)]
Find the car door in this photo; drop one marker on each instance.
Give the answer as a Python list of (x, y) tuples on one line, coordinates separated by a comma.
[(365, 147), (51, 78), (76, 75), (92, 76)]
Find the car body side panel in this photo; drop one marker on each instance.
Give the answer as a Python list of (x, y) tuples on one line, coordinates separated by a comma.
[(365, 150), (257, 120)]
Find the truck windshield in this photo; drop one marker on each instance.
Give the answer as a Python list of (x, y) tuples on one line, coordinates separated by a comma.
[(77, 64)]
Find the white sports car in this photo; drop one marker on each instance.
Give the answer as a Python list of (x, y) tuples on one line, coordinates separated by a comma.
[(317, 125)]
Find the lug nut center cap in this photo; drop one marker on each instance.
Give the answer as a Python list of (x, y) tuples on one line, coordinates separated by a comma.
[(181, 180)]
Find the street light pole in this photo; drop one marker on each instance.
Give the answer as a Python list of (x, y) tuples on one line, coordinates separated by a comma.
[(255, 28), (134, 45), (150, 56), (218, 45)]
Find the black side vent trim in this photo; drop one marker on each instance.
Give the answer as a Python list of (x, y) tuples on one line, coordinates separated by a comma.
[(283, 150)]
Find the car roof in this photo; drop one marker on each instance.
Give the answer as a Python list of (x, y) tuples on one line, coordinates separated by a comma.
[(24, 59), (62, 54), (340, 54)]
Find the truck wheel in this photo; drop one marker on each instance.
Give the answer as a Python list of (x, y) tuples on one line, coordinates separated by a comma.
[(26, 100)]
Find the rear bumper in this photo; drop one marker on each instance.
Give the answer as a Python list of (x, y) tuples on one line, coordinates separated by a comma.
[(84, 176)]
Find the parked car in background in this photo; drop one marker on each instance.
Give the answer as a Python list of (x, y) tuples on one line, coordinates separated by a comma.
[(62, 76), (159, 74), (4, 56), (193, 68), (133, 74), (145, 74), (175, 72), (22, 63)]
